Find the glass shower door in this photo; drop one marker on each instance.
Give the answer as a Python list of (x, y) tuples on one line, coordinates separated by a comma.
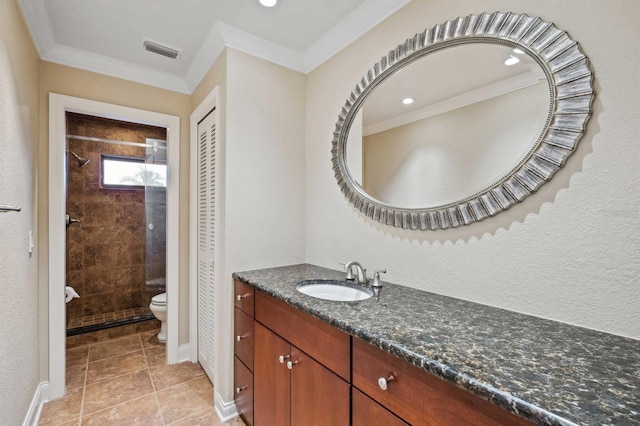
[(156, 217)]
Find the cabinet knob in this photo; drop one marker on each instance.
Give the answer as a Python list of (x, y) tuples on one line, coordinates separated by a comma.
[(290, 364), (240, 389), (383, 382), (241, 296), (240, 337), (281, 358)]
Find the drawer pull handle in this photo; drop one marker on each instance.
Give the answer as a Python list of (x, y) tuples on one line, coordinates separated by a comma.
[(383, 383), (242, 296), (290, 364), (240, 337), (238, 390), (281, 358)]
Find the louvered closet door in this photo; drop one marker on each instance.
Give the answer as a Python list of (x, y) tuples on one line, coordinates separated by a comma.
[(206, 241)]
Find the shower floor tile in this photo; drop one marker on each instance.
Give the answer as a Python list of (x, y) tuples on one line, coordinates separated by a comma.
[(126, 381), (106, 317)]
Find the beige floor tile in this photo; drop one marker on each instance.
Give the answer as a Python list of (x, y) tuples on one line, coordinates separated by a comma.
[(62, 410), (115, 366), (150, 338), (165, 376), (74, 377), (207, 417), (114, 347), (141, 411), (156, 355), (104, 394), (184, 399), (77, 356)]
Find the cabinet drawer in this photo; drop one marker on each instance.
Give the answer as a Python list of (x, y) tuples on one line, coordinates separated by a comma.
[(367, 412), (243, 390), (243, 337), (323, 342), (419, 397), (244, 297)]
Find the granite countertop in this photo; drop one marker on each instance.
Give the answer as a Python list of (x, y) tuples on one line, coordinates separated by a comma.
[(548, 372)]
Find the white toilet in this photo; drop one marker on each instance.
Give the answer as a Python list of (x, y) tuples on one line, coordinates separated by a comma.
[(158, 307)]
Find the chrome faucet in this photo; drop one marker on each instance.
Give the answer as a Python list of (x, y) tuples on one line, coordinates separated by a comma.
[(361, 276)]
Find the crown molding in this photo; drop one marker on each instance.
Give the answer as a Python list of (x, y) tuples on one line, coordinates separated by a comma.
[(243, 41), (77, 58), (37, 20), (484, 93), (221, 36), (207, 55), (352, 27)]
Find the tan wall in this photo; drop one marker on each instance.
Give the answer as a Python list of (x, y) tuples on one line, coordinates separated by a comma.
[(19, 317), (568, 252), (83, 84)]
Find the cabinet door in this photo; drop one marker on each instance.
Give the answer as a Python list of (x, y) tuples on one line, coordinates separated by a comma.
[(243, 388), (318, 396), (367, 412), (271, 384)]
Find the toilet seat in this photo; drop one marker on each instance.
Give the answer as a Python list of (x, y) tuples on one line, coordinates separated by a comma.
[(159, 299)]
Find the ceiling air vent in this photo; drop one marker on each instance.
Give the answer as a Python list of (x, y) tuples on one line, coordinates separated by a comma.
[(160, 49)]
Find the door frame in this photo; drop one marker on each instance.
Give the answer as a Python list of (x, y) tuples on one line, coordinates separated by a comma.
[(223, 357), (59, 105), (209, 104)]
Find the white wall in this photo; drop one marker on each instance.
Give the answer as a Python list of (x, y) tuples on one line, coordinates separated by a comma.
[(569, 252), (18, 280), (265, 182)]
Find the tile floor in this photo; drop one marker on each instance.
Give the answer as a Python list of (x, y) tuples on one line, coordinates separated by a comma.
[(126, 381)]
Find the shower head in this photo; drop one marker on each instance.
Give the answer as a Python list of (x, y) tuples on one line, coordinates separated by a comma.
[(81, 160)]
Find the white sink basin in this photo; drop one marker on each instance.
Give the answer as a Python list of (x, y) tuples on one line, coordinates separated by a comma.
[(339, 291)]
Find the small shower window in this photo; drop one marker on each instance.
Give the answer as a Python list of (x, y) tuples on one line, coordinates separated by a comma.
[(132, 172)]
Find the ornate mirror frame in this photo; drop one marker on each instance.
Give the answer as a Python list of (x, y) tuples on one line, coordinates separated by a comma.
[(571, 95)]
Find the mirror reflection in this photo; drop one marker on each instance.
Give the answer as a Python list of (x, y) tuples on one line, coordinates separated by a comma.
[(471, 114)]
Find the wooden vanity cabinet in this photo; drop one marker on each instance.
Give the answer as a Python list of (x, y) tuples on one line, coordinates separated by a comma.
[(419, 397), (291, 386), (294, 369)]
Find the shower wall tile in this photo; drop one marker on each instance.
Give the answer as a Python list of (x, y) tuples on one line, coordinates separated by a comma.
[(99, 303), (107, 256)]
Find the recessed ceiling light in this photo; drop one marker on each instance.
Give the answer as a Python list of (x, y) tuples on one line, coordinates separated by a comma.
[(407, 101), (268, 3), (518, 51), (511, 60)]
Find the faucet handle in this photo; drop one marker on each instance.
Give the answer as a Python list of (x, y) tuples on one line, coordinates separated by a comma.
[(376, 286), (376, 277)]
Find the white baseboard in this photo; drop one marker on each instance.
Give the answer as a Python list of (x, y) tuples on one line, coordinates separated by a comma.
[(225, 410), (35, 409), (184, 353)]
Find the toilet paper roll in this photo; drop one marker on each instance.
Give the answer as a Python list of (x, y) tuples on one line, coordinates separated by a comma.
[(70, 294)]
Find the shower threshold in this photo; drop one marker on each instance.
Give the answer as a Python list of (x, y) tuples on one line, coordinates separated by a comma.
[(97, 322)]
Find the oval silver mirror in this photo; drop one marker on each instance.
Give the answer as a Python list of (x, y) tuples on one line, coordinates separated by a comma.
[(519, 103)]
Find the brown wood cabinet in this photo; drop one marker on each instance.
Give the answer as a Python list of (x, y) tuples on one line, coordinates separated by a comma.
[(294, 369), (292, 388)]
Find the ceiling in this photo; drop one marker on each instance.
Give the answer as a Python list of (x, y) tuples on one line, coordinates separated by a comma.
[(106, 36)]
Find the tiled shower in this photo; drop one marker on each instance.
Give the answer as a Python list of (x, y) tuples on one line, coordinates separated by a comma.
[(116, 252)]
